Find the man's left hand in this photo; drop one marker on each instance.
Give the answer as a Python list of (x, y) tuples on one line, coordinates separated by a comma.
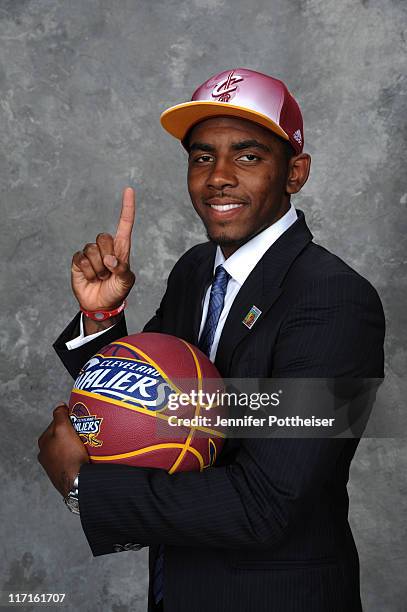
[(62, 452)]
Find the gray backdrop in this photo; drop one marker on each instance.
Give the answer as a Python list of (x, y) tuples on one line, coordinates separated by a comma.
[(82, 86)]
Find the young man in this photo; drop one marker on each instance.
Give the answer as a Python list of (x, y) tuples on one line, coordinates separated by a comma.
[(267, 528)]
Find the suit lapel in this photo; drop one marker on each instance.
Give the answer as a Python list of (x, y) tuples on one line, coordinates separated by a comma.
[(261, 289), (234, 330)]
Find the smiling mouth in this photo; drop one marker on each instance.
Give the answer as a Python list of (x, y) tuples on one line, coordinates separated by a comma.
[(224, 207)]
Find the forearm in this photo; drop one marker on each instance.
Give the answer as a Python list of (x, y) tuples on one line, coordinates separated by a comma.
[(236, 506), (93, 327)]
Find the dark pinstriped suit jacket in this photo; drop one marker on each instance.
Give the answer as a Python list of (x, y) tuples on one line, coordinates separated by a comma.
[(266, 529)]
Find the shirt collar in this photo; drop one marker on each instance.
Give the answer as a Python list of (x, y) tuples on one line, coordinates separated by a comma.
[(241, 263)]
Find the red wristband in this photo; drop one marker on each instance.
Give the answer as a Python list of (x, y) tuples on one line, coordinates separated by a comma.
[(102, 315)]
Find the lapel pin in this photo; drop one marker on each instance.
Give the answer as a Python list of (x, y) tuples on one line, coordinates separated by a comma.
[(251, 317)]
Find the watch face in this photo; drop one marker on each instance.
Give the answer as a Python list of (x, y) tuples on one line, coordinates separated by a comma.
[(99, 316), (73, 504)]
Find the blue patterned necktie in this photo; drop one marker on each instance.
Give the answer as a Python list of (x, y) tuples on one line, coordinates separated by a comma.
[(216, 301)]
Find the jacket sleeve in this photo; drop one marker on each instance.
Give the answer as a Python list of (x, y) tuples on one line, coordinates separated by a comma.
[(254, 500), (73, 359)]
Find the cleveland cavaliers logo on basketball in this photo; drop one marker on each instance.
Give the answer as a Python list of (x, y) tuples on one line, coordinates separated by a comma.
[(130, 380), (86, 425)]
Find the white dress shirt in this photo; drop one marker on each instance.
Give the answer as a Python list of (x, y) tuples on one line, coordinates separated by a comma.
[(239, 265)]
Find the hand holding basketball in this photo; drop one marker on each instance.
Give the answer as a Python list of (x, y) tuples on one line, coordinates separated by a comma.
[(61, 451), (100, 274)]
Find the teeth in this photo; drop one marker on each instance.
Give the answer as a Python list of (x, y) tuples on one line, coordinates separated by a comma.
[(224, 207)]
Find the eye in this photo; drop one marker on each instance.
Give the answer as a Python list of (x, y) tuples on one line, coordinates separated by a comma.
[(201, 159), (249, 157)]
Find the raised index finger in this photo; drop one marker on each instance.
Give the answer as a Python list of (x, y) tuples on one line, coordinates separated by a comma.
[(122, 240)]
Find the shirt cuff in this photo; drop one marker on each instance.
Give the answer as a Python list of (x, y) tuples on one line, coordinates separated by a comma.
[(82, 339)]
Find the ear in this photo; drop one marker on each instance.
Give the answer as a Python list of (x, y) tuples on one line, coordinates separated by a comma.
[(298, 172)]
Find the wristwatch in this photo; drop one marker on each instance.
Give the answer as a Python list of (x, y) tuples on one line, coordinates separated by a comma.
[(72, 499)]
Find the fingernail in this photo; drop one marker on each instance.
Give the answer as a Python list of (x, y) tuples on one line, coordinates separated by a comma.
[(111, 260)]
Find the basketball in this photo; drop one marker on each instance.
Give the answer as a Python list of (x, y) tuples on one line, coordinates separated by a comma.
[(122, 404)]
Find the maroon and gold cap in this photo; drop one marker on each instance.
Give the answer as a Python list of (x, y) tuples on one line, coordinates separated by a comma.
[(240, 93)]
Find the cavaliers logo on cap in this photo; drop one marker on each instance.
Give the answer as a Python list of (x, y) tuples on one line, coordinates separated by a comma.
[(223, 91), (86, 425)]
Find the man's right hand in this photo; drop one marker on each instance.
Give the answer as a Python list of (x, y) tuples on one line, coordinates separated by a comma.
[(100, 274)]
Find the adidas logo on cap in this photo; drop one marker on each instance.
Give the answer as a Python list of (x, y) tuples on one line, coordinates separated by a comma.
[(298, 137)]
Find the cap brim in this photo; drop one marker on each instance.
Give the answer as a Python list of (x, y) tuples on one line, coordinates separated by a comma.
[(177, 120)]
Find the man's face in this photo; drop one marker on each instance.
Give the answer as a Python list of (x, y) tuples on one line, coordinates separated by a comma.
[(237, 174)]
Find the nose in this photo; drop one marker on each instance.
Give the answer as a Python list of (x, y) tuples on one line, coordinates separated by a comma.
[(222, 175)]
